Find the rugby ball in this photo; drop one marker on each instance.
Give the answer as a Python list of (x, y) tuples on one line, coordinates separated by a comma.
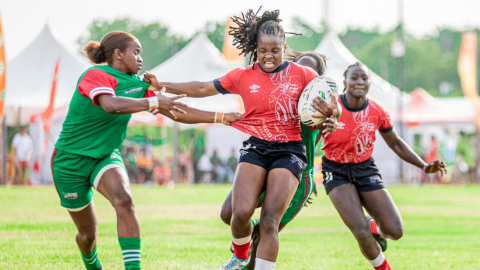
[(321, 86)]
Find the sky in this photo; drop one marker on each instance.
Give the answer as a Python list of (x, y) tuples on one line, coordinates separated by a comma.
[(22, 20)]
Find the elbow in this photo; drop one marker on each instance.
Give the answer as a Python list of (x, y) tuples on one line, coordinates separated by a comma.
[(111, 109)]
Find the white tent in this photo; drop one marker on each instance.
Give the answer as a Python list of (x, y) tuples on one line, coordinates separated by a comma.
[(387, 95), (30, 74), (201, 61)]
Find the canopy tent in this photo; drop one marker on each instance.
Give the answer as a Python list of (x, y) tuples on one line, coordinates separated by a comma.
[(387, 95), (201, 61), (30, 75)]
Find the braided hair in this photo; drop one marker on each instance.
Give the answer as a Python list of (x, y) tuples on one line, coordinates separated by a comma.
[(321, 59), (356, 64), (250, 26)]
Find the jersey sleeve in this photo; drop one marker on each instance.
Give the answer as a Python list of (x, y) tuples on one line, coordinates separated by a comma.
[(228, 84), (385, 124), (97, 82)]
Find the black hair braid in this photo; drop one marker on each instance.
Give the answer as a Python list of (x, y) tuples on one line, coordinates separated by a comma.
[(321, 59), (356, 64), (250, 25)]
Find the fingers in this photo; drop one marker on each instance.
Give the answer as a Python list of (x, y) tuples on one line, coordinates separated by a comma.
[(179, 110), (334, 114), (179, 97), (163, 90), (318, 116)]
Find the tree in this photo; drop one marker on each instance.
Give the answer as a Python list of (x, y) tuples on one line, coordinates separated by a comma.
[(158, 44), (309, 39)]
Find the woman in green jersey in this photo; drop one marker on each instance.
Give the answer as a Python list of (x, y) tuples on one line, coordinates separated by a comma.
[(86, 154), (310, 137)]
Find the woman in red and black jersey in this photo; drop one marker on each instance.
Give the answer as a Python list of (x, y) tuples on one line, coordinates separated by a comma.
[(273, 158), (352, 179)]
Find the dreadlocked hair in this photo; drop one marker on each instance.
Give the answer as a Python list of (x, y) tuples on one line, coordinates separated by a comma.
[(250, 25), (321, 59), (356, 64)]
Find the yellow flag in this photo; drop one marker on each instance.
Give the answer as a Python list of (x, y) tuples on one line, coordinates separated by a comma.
[(2, 71), (231, 53), (467, 70)]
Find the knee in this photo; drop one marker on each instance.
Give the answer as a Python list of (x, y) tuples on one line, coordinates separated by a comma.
[(88, 234), (362, 233), (123, 202), (395, 232), (241, 216), (269, 224)]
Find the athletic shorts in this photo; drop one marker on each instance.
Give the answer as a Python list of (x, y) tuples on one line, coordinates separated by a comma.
[(304, 191), (364, 175), (75, 175), (273, 155)]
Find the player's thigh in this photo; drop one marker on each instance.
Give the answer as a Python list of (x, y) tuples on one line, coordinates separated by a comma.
[(110, 178), (380, 205), (279, 191), (70, 175), (347, 202), (248, 184)]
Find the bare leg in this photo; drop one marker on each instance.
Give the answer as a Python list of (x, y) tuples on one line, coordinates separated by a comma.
[(247, 187), (114, 185), (281, 186), (380, 206), (86, 222), (226, 212), (346, 200), (256, 240)]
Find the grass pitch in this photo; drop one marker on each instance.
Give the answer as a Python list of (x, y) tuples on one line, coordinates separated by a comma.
[(181, 229)]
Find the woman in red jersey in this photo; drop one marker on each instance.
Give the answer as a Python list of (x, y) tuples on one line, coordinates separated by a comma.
[(273, 158), (352, 179)]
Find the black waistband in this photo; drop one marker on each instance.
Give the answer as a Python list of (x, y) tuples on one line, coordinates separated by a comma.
[(270, 143)]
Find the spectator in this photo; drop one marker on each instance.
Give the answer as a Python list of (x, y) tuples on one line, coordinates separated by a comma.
[(233, 161), (23, 146), (183, 161), (198, 149), (217, 167), (131, 165), (145, 166), (162, 174)]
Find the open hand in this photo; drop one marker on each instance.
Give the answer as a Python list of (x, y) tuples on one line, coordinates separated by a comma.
[(228, 118), (168, 104), (323, 108), (435, 166)]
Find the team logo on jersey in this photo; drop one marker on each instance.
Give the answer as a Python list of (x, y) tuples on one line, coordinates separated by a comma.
[(243, 152), (134, 90), (295, 159), (341, 125), (363, 142), (254, 88), (70, 196), (375, 179), (327, 176)]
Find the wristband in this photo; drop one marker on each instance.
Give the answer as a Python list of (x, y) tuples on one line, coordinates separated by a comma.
[(424, 167), (218, 118), (153, 103), (223, 116)]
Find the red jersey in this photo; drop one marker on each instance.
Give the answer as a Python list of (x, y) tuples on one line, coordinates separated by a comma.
[(270, 99), (353, 140)]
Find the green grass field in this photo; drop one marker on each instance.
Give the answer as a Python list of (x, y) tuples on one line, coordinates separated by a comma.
[(181, 229)]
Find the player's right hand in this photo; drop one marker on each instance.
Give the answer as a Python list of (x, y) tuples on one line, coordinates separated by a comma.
[(168, 104), (436, 166), (228, 118)]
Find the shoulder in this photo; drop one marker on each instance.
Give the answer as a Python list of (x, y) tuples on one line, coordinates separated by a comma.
[(97, 73), (303, 69), (376, 106)]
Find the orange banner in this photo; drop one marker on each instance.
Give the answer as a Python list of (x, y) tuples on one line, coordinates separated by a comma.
[(467, 70), (47, 115), (2, 71), (231, 53)]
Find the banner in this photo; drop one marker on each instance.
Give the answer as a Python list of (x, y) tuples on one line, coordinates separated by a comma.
[(467, 70), (47, 115), (2, 71), (231, 53)]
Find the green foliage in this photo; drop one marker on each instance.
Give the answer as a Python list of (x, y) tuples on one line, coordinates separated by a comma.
[(216, 33), (309, 39), (158, 44)]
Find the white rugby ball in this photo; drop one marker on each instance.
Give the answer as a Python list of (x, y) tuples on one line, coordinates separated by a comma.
[(321, 86)]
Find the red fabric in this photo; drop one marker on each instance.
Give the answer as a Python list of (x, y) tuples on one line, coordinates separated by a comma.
[(270, 100), (22, 163), (241, 251), (96, 82), (374, 227), (384, 266), (354, 138), (149, 94)]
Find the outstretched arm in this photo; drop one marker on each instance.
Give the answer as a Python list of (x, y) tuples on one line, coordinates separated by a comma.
[(191, 89), (403, 150), (194, 116)]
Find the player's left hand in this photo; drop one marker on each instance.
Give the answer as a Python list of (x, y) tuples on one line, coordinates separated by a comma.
[(436, 166), (310, 200), (152, 82), (228, 118)]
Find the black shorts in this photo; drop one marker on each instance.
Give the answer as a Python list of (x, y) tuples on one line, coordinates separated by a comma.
[(273, 155), (364, 175)]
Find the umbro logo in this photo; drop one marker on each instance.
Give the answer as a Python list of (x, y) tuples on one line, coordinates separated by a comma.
[(254, 88)]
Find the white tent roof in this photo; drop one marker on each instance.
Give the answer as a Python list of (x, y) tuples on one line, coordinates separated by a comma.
[(30, 74), (199, 61), (339, 58)]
